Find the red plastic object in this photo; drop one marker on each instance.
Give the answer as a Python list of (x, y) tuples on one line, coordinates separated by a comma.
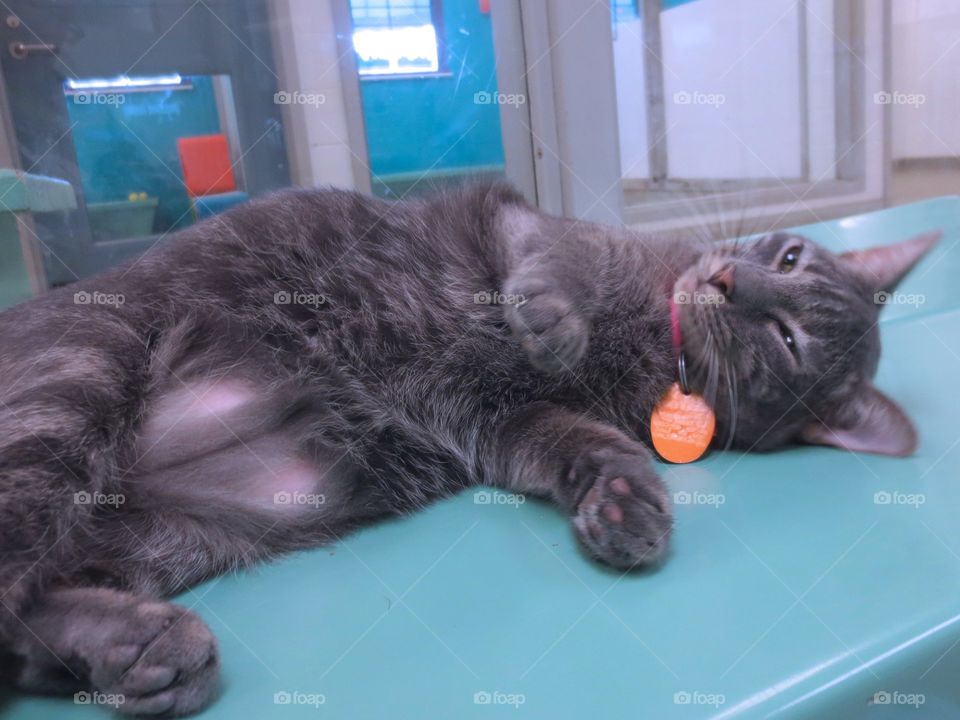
[(205, 161)]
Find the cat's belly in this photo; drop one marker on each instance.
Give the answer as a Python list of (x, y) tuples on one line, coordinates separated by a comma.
[(226, 442)]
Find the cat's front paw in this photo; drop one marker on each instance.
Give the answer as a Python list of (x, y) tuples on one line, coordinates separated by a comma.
[(550, 328), (623, 517), (160, 658)]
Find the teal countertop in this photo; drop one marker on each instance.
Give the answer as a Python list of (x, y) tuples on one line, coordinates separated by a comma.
[(807, 583), (20, 192), (24, 193)]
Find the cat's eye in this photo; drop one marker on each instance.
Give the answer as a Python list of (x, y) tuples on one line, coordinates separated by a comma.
[(788, 338), (789, 260)]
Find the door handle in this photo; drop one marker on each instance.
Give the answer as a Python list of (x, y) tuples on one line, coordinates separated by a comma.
[(20, 50)]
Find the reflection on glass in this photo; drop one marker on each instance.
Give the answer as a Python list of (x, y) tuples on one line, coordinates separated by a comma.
[(154, 152), (724, 95), (429, 90), (394, 37)]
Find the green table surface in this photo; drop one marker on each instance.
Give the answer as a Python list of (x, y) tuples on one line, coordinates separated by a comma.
[(803, 594), (23, 192)]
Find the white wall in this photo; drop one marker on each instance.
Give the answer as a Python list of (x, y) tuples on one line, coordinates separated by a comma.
[(821, 81), (926, 64), (747, 56), (732, 89), (628, 60), (305, 45)]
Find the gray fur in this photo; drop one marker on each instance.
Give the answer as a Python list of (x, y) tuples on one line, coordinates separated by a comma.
[(385, 383)]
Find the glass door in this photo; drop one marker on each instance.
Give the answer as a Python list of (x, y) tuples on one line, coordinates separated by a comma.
[(442, 93), (730, 115), (156, 113)]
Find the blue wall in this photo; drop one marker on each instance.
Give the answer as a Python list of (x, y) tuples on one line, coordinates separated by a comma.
[(114, 162), (413, 122)]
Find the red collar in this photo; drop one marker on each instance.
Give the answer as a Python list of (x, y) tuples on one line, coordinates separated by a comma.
[(675, 332)]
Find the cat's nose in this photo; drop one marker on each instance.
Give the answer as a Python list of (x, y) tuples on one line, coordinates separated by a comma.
[(722, 280)]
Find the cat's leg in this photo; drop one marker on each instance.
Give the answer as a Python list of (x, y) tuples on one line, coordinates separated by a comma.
[(144, 655), (63, 419), (178, 525), (619, 508), (553, 281)]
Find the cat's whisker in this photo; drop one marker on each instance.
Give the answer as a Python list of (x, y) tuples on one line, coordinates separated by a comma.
[(732, 400)]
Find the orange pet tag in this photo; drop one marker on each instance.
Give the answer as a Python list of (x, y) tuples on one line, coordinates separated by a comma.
[(681, 426)]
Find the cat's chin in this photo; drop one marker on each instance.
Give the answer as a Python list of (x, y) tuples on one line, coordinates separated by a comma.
[(689, 292)]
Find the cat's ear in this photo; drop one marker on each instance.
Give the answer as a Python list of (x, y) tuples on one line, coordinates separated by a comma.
[(871, 422), (883, 267)]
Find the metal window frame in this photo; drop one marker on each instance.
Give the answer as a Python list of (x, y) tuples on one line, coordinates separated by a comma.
[(850, 124), (660, 178), (511, 28), (563, 125)]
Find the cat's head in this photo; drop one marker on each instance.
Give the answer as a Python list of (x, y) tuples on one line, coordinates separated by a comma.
[(781, 336)]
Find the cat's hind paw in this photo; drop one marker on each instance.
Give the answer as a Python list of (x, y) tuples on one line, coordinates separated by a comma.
[(164, 662)]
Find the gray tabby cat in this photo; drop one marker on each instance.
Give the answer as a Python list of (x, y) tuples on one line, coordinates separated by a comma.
[(277, 376)]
